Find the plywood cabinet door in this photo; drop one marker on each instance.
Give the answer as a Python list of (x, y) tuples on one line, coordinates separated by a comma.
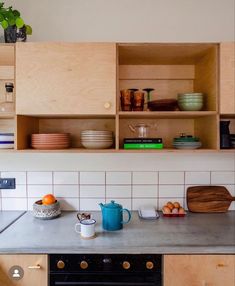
[(34, 270), (199, 270), (65, 78), (227, 78)]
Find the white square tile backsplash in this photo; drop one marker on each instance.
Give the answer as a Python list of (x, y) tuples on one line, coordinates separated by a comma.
[(198, 178), (19, 176), (222, 178), (145, 178), (18, 192), (67, 191), (118, 178), (123, 191), (66, 178), (92, 178), (35, 191), (92, 191), (37, 178), (172, 178), (83, 190), (145, 191)]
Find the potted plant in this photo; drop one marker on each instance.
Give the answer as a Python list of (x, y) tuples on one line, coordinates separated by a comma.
[(14, 27)]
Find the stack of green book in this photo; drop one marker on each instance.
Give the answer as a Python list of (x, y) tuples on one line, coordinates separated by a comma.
[(142, 143)]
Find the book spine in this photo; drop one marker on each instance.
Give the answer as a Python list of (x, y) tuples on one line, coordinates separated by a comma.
[(143, 140), (143, 146)]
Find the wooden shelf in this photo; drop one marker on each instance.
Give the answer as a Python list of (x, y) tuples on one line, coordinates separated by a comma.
[(165, 114), (82, 150), (7, 115)]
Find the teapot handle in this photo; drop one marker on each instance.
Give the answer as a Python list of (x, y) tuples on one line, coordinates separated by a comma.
[(129, 216)]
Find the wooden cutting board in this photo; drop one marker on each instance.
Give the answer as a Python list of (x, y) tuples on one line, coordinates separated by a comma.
[(208, 199)]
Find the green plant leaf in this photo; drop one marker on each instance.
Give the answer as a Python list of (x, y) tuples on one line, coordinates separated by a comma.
[(4, 24), (16, 13), (1, 17), (29, 30), (19, 22)]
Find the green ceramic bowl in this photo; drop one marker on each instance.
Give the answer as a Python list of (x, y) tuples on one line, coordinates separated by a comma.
[(190, 106)]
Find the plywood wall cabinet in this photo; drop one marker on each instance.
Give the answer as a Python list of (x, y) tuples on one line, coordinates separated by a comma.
[(35, 269), (70, 87), (227, 78), (199, 270), (66, 78)]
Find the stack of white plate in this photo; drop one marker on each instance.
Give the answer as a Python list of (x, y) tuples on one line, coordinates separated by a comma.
[(6, 140), (96, 139)]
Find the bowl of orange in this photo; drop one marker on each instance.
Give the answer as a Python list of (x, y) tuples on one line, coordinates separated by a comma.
[(47, 208)]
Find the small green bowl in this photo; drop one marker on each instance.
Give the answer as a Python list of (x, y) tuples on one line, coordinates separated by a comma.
[(190, 106)]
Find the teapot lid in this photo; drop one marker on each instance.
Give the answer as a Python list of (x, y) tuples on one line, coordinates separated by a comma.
[(112, 205)]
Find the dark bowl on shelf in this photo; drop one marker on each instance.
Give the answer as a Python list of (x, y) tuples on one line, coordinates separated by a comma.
[(163, 105)]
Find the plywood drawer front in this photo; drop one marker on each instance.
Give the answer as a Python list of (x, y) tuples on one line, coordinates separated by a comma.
[(32, 276), (199, 270), (66, 78), (227, 78)]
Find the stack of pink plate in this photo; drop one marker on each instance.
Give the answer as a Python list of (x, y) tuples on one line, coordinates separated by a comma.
[(50, 141)]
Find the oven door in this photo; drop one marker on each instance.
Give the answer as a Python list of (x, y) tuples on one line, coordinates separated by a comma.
[(105, 279)]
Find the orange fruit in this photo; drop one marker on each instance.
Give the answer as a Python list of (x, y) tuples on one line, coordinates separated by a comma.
[(48, 199)]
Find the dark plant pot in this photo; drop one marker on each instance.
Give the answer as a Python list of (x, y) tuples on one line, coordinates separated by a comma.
[(13, 34)]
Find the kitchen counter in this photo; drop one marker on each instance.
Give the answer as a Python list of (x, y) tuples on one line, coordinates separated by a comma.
[(8, 217), (194, 233)]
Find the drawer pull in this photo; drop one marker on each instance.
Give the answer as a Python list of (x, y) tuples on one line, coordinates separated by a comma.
[(38, 266), (221, 265)]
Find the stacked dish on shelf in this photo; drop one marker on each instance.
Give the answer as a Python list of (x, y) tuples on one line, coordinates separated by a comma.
[(190, 101), (96, 139), (187, 142), (6, 140), (50, 141)]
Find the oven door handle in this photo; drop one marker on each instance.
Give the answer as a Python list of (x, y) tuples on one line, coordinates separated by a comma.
[(104, 283)]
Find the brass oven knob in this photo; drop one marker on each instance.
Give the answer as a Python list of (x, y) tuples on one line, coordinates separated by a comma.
[(126, 265), (149, 265), (60, 264), (83, 264)]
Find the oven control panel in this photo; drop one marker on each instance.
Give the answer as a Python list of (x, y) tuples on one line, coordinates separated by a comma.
[(105, 262)]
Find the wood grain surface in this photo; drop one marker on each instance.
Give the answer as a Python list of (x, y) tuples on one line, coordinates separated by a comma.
[(207, 199)]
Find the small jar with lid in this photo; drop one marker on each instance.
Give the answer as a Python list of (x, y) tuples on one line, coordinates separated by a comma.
[(8, 105)]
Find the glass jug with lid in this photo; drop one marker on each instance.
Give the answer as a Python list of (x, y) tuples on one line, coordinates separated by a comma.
[(8, 104), (141, 129)]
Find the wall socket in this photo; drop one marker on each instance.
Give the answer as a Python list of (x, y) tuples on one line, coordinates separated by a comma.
[(7, 183)]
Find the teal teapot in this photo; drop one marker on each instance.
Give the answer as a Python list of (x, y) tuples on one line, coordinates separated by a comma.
[(112, 216)]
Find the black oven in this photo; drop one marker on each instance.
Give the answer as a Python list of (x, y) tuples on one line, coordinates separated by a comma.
[(105, 270)]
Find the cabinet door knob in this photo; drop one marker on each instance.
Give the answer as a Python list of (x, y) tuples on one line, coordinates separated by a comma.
[(38, 266), (107, 105)]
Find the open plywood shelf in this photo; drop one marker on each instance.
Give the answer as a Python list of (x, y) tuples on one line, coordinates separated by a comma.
[(168, 68)]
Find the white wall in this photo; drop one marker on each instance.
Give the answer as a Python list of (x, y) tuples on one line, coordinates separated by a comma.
[(129, 20)]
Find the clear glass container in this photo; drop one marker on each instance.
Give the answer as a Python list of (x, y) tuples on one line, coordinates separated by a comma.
[(8, 105)]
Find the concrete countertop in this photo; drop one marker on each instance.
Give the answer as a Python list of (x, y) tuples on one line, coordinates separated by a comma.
[(8, 217), (195, 233)]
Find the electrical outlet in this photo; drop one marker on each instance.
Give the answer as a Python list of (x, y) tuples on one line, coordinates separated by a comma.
[(7, 183)]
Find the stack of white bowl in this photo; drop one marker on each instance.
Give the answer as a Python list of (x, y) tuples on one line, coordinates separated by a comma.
[(6, 140), (96, 139)]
